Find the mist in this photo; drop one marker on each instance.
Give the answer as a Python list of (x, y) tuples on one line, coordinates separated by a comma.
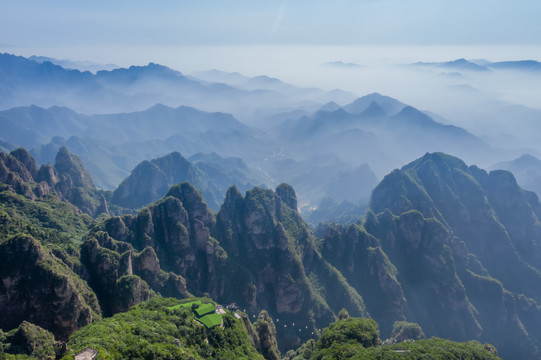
[(291, 100)]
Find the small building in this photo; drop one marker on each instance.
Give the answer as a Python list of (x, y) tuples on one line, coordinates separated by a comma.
[(220, 310), (87, 354)]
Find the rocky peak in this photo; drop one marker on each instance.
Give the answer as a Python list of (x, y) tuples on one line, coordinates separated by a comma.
[(68, 164), (27, 160), (145, 184), (266, 331), (233, 199), (287, 195), (13, 165), (193, 202), (47, 173)]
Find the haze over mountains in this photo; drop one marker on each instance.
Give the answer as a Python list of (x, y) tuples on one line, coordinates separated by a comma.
[(128, 184), (374, 130)]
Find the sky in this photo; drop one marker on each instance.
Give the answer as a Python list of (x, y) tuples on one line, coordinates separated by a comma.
[(289, 39), (65, 23)]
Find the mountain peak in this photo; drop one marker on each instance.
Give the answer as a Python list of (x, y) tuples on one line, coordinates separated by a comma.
[(330, 106), (287, 195), (388, 104), (69, 164), (465, 65)]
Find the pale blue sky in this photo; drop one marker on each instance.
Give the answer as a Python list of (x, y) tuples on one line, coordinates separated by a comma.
[(64, 23)]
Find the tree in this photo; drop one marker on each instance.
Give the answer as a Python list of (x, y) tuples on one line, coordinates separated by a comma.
[(403, 330)]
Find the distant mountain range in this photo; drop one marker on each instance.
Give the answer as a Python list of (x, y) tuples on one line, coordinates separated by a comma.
[(484, 65), (112, 145), (379, 131), (527, 170), (75, 65), (34, 81), (294, 135)]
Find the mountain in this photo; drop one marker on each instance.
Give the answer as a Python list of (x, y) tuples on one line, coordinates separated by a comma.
[(252, 83), (68, 179), (527, 170), (428, 251), (211, 174), (459, 64), (36, 81), (262, 82), (379, 131), (74, 65), (330, 106), (256, 252), (522, 65), (389, 105), (33, 126), (323, 176), (111, 145), (40, 267), (463, 223)]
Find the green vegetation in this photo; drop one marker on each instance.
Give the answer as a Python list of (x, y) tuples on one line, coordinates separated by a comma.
[(28, 341), (358, 339), (52, 221), (187, 305), (159, 329), (403, 330), (204, 313)]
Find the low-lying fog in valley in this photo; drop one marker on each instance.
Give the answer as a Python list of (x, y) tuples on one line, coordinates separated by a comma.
[(332, 121)]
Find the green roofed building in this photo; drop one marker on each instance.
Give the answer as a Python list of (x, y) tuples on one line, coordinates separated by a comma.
[(204, 313), (204, 309), (211, 320)]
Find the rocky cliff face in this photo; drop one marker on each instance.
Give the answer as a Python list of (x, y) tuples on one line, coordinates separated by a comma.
[(448, 228), (430, 250), (121, 277), (360, 258), (257, 252), (266, 332), (177, 228), (287, 275), (68, 179), (36, 286)]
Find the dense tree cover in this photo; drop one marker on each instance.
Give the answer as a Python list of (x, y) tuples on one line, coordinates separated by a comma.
[(403, 330), (151, 331), (28, 341), (358, 338), (53, 221)]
